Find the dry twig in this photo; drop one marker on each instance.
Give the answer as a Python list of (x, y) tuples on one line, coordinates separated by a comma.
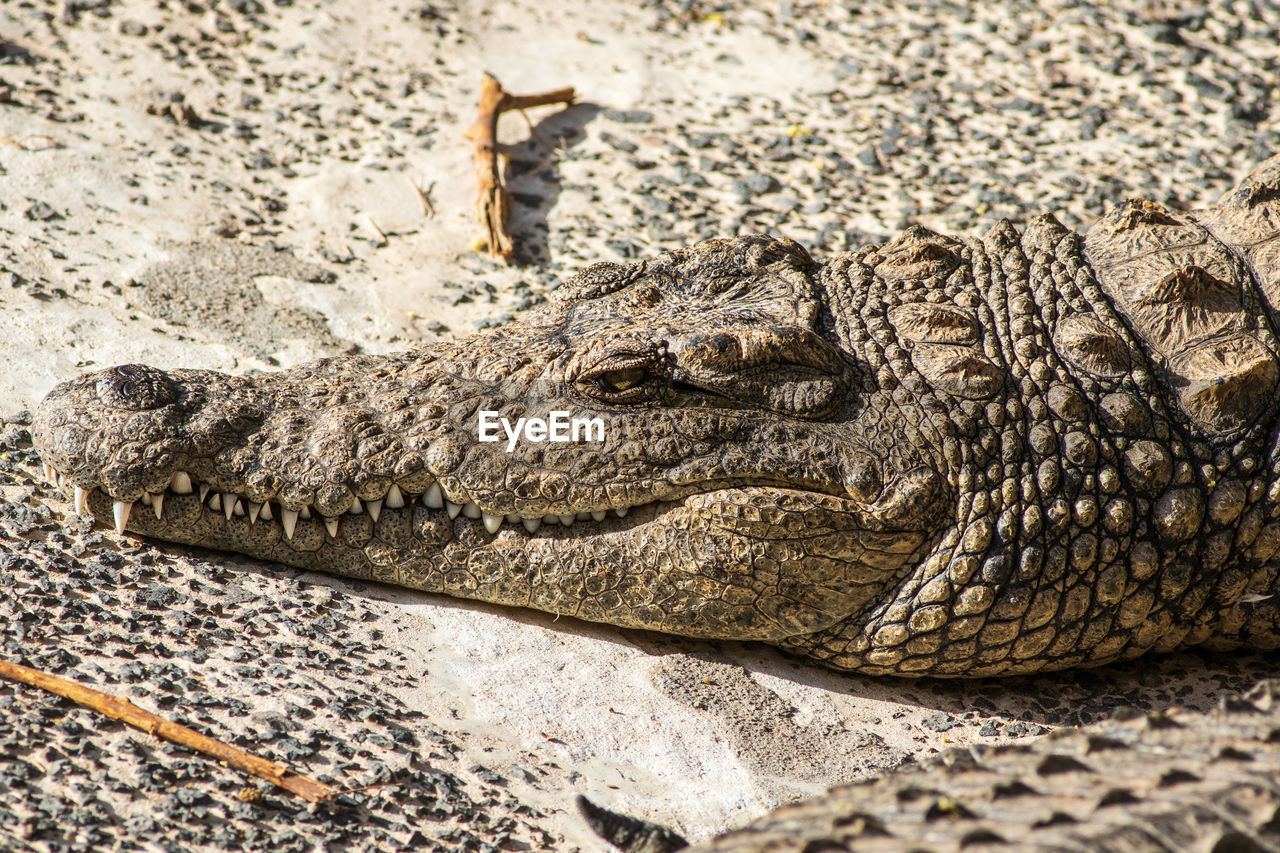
[(424, 197), (493, 204), (127, 712)]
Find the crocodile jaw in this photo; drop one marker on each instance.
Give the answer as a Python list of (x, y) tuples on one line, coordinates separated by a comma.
[(605, 571), (735, 562)]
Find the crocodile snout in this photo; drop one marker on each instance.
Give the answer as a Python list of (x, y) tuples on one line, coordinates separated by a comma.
[(136, 387)]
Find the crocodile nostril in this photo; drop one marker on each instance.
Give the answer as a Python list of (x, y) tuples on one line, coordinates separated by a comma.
[(136, 387)]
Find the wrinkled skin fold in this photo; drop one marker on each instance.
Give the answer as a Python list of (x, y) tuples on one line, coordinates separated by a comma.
[(929, 457)]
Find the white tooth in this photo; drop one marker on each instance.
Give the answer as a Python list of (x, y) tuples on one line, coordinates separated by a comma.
[(375, 508), (146, 499), (433, 498), (48, 470), (532, 524), (331, 525), (157, 503), (356, 507), (121, 510), (621, 512), (492, 522), (266, 512), (82, 500), (452, 508), (215, 502), (551, 519), (204, 490), (472, 510), (254, 509), (512, 518), (583, 516), (239, 510), (597, 515), (181, 484), (566, 520), (289, 519), (229, 504), (305, 512), (395, 500)]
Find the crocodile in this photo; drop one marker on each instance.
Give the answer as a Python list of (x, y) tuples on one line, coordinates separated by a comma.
[(933, 456), (1165, 782)]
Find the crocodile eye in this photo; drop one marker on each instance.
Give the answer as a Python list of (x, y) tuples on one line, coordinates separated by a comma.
[(622, 380), (625, 378)]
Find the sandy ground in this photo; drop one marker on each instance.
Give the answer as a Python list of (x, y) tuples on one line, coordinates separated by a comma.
[(235, 185)]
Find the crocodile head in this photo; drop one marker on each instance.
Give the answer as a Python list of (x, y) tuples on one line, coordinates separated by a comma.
[(710, 462)]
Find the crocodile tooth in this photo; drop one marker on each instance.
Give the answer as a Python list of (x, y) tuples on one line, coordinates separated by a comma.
[(204, 490), (532, 524), (357, 507), (229, 503), (81, 500), (289, 519), (582, 516), (331, 525), (305, 512), (215, 502), (48, 470), (566, 520), (452, 508), (254, 509), (551, 519), (621, 512), (472, 510), (433, 498), (181, 484), (597, 515), (375, 508), (157, 503), (512, 518), (146, 499), (266, 512), (492, 522), (239, 509), (395, 500), (121, 510)]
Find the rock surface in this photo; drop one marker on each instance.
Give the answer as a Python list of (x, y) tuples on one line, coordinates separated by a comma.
[(232, 185)]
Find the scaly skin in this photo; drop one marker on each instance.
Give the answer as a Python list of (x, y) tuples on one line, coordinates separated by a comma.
[(1155, 784), (930, 457)]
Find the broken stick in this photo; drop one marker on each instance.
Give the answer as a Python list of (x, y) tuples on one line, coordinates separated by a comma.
[(493, 204), (127, 712)]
